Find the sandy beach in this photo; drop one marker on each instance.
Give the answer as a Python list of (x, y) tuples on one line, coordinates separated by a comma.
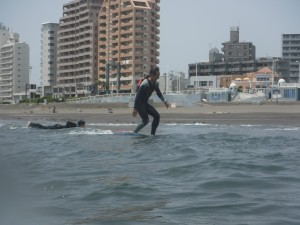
[(286, 114)]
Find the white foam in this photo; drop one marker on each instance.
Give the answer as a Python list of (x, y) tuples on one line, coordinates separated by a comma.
[(188, 124), (283, 129), (90, 132), (112, 124)]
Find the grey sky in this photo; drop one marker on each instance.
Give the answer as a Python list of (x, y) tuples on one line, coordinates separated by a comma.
[(188, 28)]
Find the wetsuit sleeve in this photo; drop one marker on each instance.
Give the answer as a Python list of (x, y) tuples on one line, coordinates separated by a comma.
[(158, 92), (51, 127), (37, 125), (70, 124)]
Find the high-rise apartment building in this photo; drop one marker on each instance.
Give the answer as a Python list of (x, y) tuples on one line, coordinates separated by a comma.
[(77, 52), (234, 50), (14, 66), (48, 57), (128, 42), (291, 52)]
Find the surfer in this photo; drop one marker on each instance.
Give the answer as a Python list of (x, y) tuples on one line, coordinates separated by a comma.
[(68, 124), (141, 104)]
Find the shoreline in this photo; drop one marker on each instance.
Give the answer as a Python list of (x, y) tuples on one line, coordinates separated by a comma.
[(283, 114)]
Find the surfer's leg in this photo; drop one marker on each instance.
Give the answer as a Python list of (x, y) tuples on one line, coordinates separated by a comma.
[(145, 119), (35, 125), (156, 118)]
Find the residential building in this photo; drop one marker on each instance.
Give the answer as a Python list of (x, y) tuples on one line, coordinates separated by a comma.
[(278, 65), (215, 55), (173, 81), (14, 66), (77, 52), (128, 42), (234, 50), (291, 52), (48, 57), (238, 59)]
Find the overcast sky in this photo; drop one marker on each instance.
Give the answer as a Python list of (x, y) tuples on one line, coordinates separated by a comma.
[(189, 28)]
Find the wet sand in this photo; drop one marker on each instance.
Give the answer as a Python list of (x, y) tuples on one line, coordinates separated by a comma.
[(285, 114)]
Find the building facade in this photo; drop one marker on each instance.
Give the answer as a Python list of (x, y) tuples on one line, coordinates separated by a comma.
[(48, 57), (77, 52), (128, 42), (291, 52), (14, 66), (240, 67), (234, 50)]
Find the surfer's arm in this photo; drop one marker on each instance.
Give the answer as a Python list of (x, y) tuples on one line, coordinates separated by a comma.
[(160, 95)]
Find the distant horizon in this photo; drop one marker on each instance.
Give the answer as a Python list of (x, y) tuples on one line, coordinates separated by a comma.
[(184, 37)]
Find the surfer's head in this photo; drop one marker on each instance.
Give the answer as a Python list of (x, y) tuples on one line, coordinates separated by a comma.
[(154, 71), (80, 123)]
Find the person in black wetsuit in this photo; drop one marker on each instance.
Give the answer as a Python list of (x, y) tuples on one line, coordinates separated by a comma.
[(141, 105), (69, 124)]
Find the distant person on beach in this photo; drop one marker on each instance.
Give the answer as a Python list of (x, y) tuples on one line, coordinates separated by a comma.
[(141, 104), (69, 124)]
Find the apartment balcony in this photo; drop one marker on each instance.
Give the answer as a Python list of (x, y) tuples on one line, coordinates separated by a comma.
[(126, 62), (142, 23), (84, 40), (126, 16), (127, 38), (7, 90), (83, 26), (5, 84), (115, 12), (67, 23), (128, 23), (127, 32), (127, 54), (8, 78), (291, 45)]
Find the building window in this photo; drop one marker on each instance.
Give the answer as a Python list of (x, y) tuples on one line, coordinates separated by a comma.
[(289, 93), (203, 83)]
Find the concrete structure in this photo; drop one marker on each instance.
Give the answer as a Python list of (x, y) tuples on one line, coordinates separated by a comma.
[(173, 82), (279, 66), (128, 42), (291, 52), (77, 53), (14, 66), (287, 92), (238, 59), (215, 55), (234, 50), (48, 57), (204, 82)]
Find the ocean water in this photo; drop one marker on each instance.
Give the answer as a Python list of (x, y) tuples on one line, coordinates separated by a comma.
[(188, 174)]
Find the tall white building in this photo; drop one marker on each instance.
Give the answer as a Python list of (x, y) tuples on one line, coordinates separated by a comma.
[(291, 52), (14, 66), (77, 52), (48, 57)]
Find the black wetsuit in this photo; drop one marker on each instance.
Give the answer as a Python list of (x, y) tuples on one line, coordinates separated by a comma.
[(55, 126), (144, 108)]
